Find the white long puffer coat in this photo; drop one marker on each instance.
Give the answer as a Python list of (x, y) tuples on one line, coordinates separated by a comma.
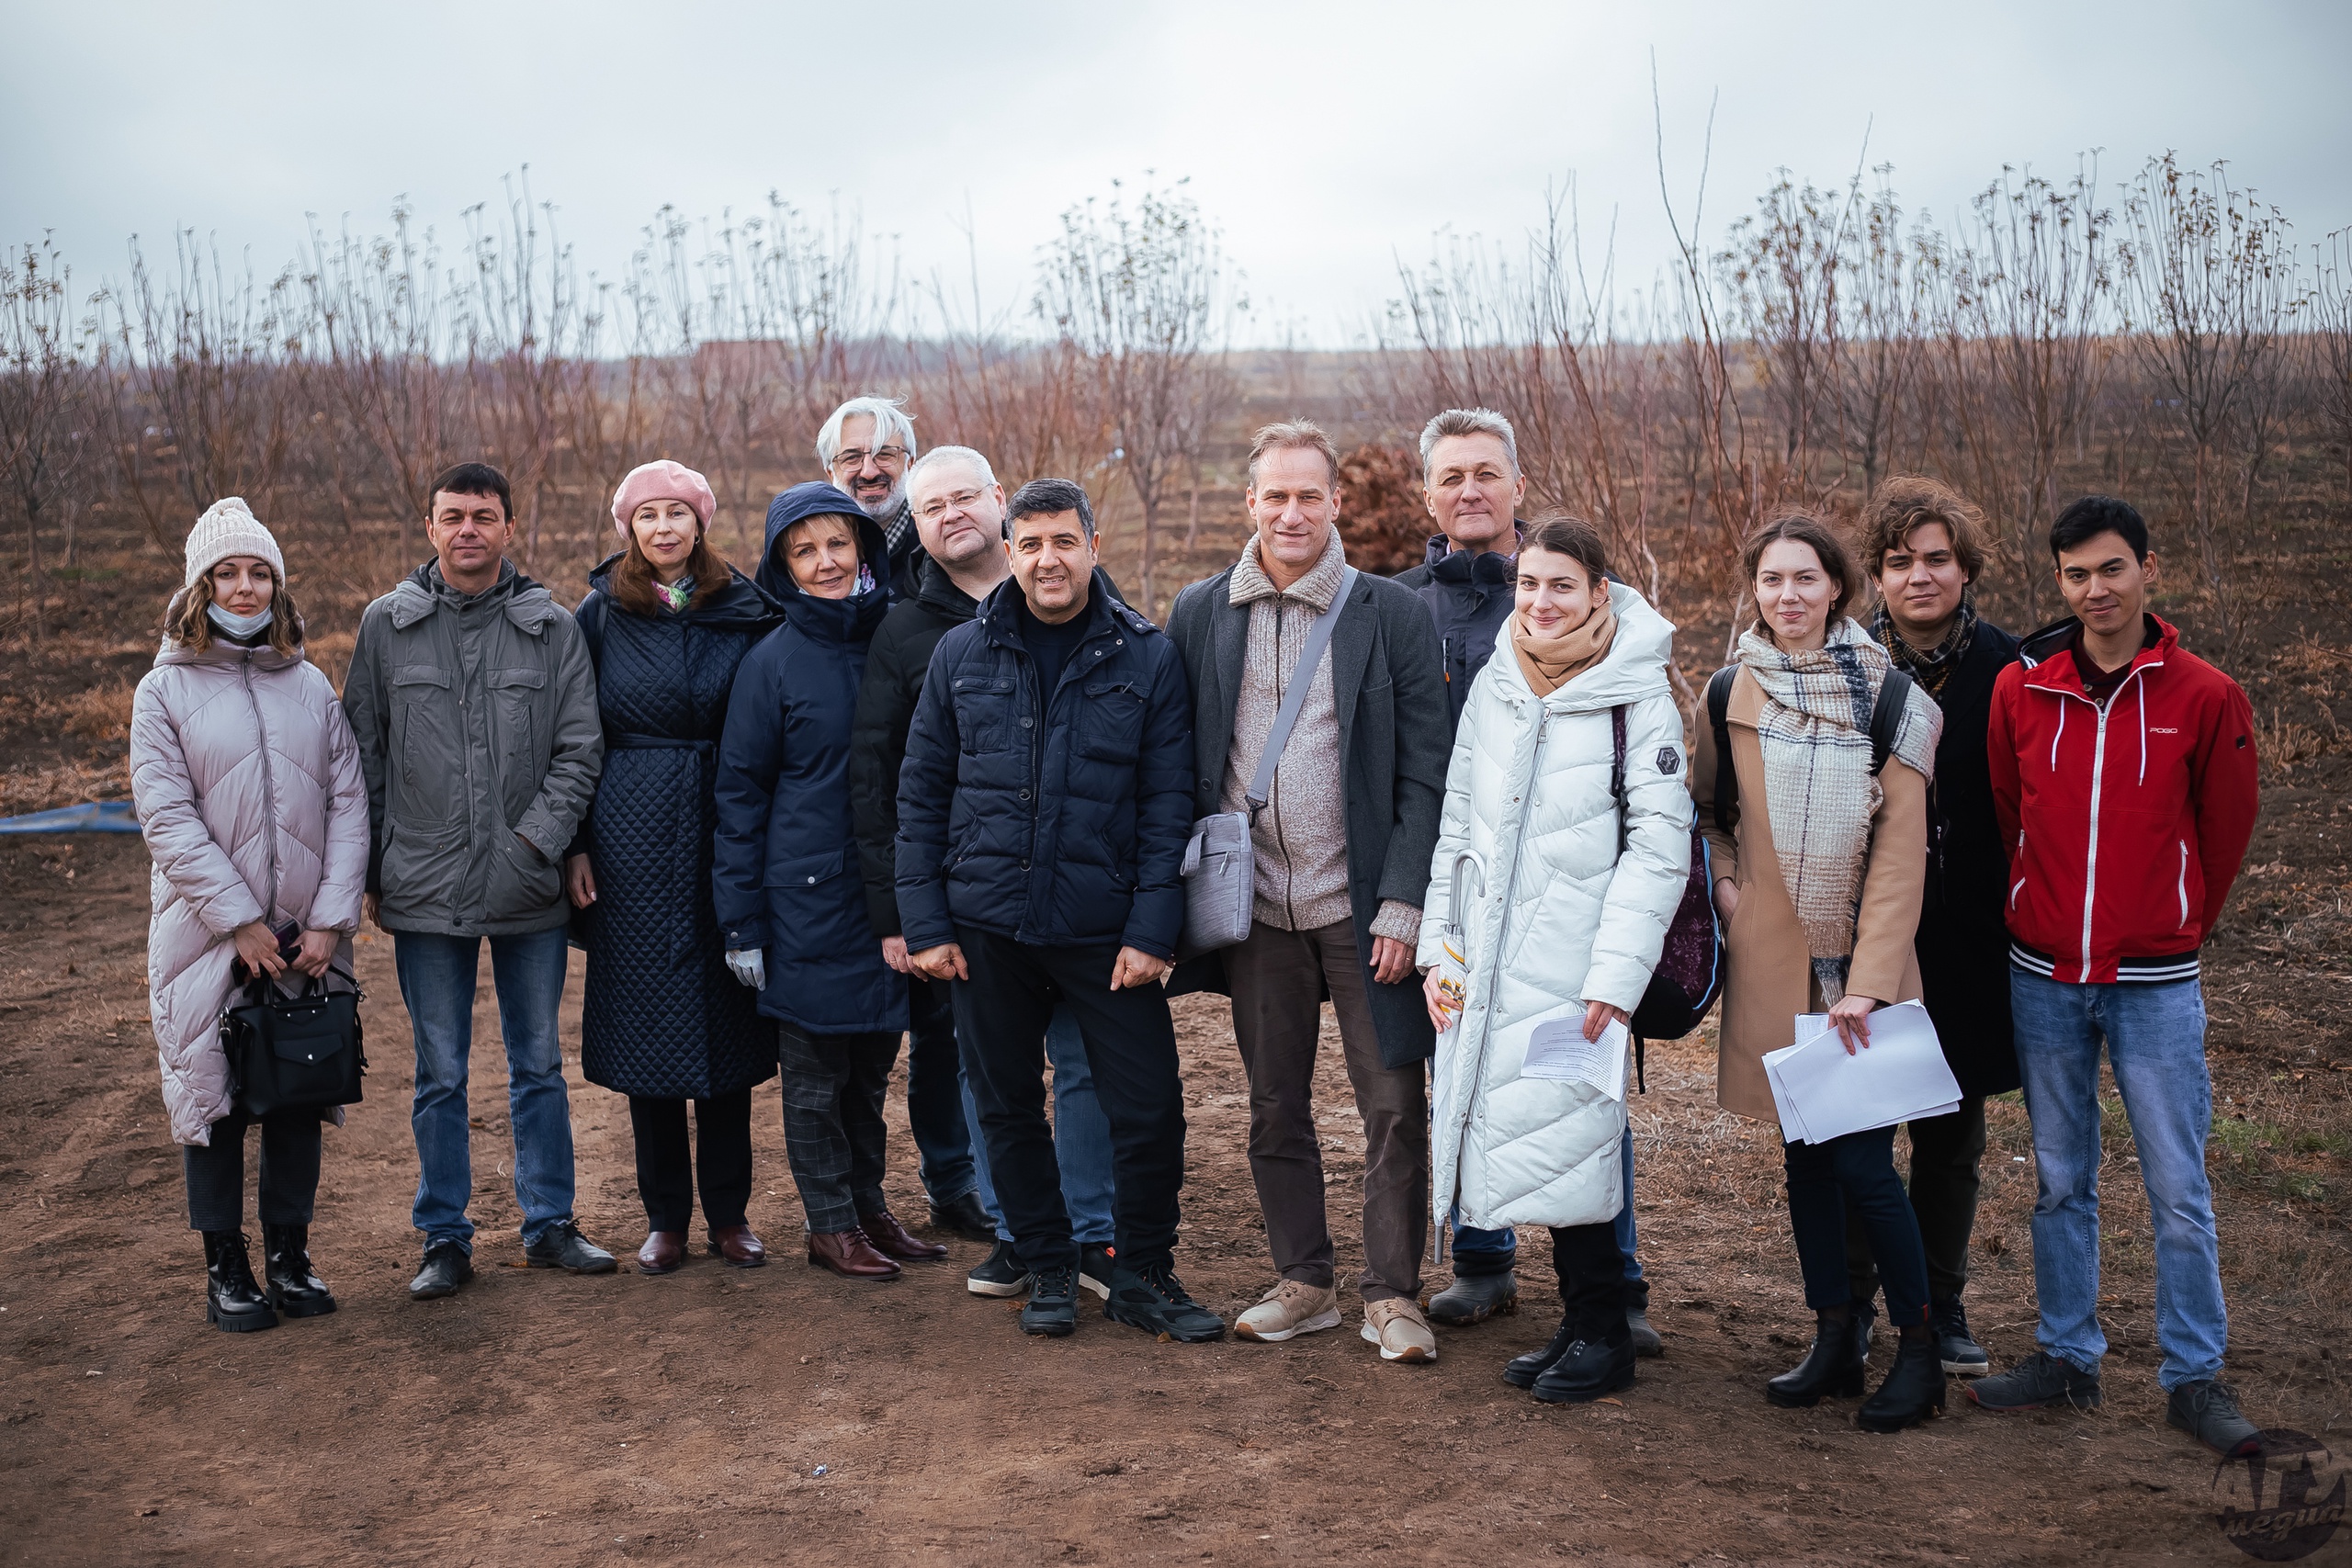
[(249, 792), (1565, 919)]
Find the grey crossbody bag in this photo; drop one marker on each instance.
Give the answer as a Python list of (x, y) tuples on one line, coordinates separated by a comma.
[(1220, 869)]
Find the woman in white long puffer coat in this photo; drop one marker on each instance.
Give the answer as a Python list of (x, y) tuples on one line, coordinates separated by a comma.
[(249, 792), (1567, 893)]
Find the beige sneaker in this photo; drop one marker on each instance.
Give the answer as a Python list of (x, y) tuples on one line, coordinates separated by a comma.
[(1291, 1308), (1397, 1326)]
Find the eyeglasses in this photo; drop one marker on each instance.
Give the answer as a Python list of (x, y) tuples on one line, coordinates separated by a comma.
[(855, 458), (962, 501)]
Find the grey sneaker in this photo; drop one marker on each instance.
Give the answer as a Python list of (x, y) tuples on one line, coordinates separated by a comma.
[(2041, 1378), (2207, 1411), (1475, 1297)]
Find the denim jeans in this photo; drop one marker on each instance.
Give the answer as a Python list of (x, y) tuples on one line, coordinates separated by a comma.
[(437, 976), (2155, 1041), (938, 1108), (1478, 1252), (1081, 1140)]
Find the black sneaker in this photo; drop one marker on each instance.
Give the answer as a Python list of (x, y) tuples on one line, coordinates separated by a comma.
[(1000, 1275), (561, 1246), (1052, 1308), (1153, 1300), (1963, 1357), (1094, 1267), (446, 1266), (2207, 1411), (2041, 1378)]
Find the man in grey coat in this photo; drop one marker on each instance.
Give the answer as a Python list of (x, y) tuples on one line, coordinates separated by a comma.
[(1342, 851), (474, 706)]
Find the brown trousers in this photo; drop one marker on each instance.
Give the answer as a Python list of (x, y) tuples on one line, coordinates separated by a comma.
[(1277, 978)]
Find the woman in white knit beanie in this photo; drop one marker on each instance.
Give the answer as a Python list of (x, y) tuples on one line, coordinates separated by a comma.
[(249, 792)]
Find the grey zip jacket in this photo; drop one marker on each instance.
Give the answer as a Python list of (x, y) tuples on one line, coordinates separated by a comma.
[(477, 727)]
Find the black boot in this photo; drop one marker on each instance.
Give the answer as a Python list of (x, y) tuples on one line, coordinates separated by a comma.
[(1523, 1370), (294, 1289), (1831, 1370), (1587, 1371), (1913, 1391), (232, 1298)]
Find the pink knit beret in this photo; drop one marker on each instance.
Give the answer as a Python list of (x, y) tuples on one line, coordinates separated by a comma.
[(662, 480)]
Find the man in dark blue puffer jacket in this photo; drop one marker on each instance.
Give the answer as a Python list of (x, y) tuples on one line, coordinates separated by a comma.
[(1043, 811)]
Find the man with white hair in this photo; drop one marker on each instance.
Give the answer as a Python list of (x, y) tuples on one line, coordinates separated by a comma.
[(867, 448), (1473, 487)]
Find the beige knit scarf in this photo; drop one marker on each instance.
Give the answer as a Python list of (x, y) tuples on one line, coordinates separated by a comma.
[(1550, 663), (1815, 731)]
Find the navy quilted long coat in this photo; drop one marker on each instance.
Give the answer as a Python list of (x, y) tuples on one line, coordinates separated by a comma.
[(787, 875), (661, 1016)]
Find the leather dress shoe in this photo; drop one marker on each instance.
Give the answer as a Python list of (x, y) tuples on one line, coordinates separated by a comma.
[(964, 1216), (849, 1254), (892, 1239), (446, 1266), (737, 1247), (663, 1253), (295, 1288), (561, 1246)]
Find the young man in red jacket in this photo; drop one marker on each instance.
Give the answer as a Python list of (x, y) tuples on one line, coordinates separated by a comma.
[(2124, 776)]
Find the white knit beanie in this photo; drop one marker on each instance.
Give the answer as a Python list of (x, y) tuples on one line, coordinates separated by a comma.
[(229, 528)]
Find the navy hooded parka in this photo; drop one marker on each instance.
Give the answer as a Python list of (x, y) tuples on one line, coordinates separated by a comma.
[(787, 876)]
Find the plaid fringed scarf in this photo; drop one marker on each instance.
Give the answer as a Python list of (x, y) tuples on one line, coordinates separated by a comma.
[(1815, 731), (1932, 668)]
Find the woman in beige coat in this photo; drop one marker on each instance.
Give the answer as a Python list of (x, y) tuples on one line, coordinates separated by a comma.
[(1819, 882), (248, 788)]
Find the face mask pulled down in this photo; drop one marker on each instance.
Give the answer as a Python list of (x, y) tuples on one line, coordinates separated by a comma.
[(243, 628)]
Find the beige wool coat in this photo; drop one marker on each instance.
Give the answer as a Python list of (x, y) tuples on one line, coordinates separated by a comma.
[(1767, 978)]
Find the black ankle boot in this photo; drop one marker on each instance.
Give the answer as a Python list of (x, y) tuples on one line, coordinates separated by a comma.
[(232, 1298), (1591, 1369), (1523, 1370), (294, 1289), (1831, 1370), (1912, 1391)]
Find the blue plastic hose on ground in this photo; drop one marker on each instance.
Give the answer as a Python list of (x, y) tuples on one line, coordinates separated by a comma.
[(90, 816)]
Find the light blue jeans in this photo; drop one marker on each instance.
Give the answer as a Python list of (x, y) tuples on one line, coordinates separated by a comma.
[(1492, 1252), (2154, 1036), (1081, 1140), (437, 978)]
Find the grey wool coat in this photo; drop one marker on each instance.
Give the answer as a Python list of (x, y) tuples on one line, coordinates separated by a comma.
[(1395, 739), (478, 732)]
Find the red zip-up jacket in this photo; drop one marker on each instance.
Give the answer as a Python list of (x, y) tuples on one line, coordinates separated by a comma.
[(2125, 824)]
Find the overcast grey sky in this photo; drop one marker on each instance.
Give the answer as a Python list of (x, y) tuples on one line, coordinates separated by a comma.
[(1326, 140)]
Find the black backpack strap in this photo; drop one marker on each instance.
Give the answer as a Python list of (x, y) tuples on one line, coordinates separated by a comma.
[(1886, 716), (1719, 718)]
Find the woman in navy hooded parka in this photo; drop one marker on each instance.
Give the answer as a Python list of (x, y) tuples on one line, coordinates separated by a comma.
[(791, 901)]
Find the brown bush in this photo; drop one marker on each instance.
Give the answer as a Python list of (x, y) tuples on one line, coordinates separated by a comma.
[(1380, 516)]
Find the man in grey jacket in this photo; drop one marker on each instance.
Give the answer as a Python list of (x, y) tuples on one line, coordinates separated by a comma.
[(474, 706), (1342, 852)]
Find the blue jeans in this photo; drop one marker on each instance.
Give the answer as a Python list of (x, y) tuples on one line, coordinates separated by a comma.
[(937, 1106), (437, 976), (2155, 1041), (1081, 1140), (1491, 1252)]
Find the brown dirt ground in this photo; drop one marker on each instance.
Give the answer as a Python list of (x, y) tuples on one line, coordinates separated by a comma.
[(542, 1418)]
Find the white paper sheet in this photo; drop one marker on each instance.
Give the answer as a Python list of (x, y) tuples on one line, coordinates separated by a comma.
[(1556, 1048), (1822, 1093)]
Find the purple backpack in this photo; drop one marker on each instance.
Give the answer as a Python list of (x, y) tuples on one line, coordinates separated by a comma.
[(1689, 973)]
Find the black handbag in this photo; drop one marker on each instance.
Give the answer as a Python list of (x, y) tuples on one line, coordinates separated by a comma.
[(302, 1052)]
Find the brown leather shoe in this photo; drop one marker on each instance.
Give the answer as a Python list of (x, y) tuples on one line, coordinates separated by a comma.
[(849, 1254), (892, 1240), (663, 1253), (738, 1246)]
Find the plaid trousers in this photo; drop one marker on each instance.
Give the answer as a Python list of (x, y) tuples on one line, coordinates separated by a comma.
[(833, 1134)]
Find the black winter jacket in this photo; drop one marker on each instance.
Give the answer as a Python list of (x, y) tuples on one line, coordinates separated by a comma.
[(895, 665), (661, 1016), (1469, 597), (1962, 944), (1056, 819)]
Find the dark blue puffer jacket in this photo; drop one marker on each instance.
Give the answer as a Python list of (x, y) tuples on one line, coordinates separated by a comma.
[(1063, 831), (785, 875)]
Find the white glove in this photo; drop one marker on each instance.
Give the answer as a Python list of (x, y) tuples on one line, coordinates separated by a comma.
[(750, 965)]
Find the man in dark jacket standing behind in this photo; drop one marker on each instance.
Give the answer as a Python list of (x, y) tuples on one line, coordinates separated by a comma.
[(473, 702), (1043, 811), (1343, 849), (1471, 481), (1924, 547)]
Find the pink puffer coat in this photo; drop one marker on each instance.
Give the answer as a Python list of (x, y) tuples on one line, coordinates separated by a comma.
[(249, 792)]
